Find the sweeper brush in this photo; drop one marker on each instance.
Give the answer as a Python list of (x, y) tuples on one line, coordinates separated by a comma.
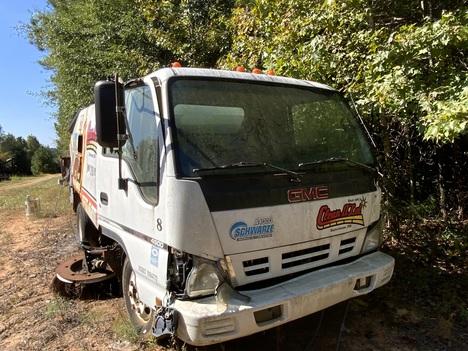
[(85, 276)]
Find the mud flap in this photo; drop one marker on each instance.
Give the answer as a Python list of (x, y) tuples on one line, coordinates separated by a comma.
[(165, 323)]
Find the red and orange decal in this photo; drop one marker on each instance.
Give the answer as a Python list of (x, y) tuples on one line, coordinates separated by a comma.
[(350, 213)]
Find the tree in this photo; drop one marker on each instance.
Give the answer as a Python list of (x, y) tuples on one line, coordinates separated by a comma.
[(45, 160), (14, 148), (32, 145), (3, 155), (194, 32), (403, 62), (20, 152), (87, 40)]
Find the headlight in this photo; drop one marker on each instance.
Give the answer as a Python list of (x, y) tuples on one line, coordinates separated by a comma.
[(203, 278), (374, 236)]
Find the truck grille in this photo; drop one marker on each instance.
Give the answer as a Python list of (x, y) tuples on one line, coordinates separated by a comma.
[(305, 258), (301, 257), (257, 266)]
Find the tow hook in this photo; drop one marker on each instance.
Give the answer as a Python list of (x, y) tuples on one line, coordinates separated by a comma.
[(165, 323)]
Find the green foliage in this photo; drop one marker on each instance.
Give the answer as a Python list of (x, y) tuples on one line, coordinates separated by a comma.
[(448, 118), (87, 40), (26, 157), (15, 149), (406, 67), (193, 32), (423, 74), (45, 160), (32, 145), (404, 63)]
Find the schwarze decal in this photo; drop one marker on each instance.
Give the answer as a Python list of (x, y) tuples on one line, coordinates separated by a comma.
[(351, 213), (262, 228)]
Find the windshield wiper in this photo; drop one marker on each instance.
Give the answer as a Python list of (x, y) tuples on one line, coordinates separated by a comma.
[(339, 160), (295, 177)]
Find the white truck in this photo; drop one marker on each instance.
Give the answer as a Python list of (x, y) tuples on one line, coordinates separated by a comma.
[(227, 203)]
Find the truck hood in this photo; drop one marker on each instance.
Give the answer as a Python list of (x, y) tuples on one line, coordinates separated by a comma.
[(253, 229), (258, 214), (268, 227)]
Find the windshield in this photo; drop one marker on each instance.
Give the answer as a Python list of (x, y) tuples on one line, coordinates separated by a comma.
[(225, 122)]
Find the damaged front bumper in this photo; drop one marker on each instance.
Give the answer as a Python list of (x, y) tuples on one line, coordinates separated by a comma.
[(212, 319)]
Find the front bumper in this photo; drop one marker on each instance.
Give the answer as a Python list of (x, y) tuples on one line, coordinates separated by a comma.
[(205, 321)]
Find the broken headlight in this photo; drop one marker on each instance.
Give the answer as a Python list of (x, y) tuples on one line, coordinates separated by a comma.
[(374, 236), (203, 278)]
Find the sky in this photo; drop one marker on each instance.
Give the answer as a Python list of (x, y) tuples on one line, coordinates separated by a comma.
[(22, 111)]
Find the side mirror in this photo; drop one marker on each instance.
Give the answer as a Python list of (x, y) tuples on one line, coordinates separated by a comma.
[(108, 98)]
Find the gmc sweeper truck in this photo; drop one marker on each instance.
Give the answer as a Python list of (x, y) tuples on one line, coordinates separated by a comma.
[(226, 203)]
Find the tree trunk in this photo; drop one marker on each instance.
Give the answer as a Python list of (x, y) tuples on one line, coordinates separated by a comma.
[(370, 16), (459, 178), (409, 162), (426, 8), (389, 181), (441, 184)]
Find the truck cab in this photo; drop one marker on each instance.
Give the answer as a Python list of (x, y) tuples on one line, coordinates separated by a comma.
[(235, 202)]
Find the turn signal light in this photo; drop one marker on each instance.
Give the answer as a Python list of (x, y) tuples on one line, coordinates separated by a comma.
[(255, 70)]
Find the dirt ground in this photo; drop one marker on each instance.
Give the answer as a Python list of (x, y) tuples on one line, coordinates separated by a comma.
[(33, 318)]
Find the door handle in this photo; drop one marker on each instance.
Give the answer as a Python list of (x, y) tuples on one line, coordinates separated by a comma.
[(104, 199)]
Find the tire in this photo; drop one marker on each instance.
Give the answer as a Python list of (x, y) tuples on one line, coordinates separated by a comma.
[(141, 315), (86, 231)]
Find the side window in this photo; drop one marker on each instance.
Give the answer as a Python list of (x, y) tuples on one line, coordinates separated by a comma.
[(142, 124)]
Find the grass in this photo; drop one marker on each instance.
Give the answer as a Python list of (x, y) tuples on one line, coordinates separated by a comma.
[(32, 248), (124, 329), (46, 191), (16, 180), (59, 308)]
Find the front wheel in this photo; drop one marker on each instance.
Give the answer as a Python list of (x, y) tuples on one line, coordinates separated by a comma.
[(141, 315)]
